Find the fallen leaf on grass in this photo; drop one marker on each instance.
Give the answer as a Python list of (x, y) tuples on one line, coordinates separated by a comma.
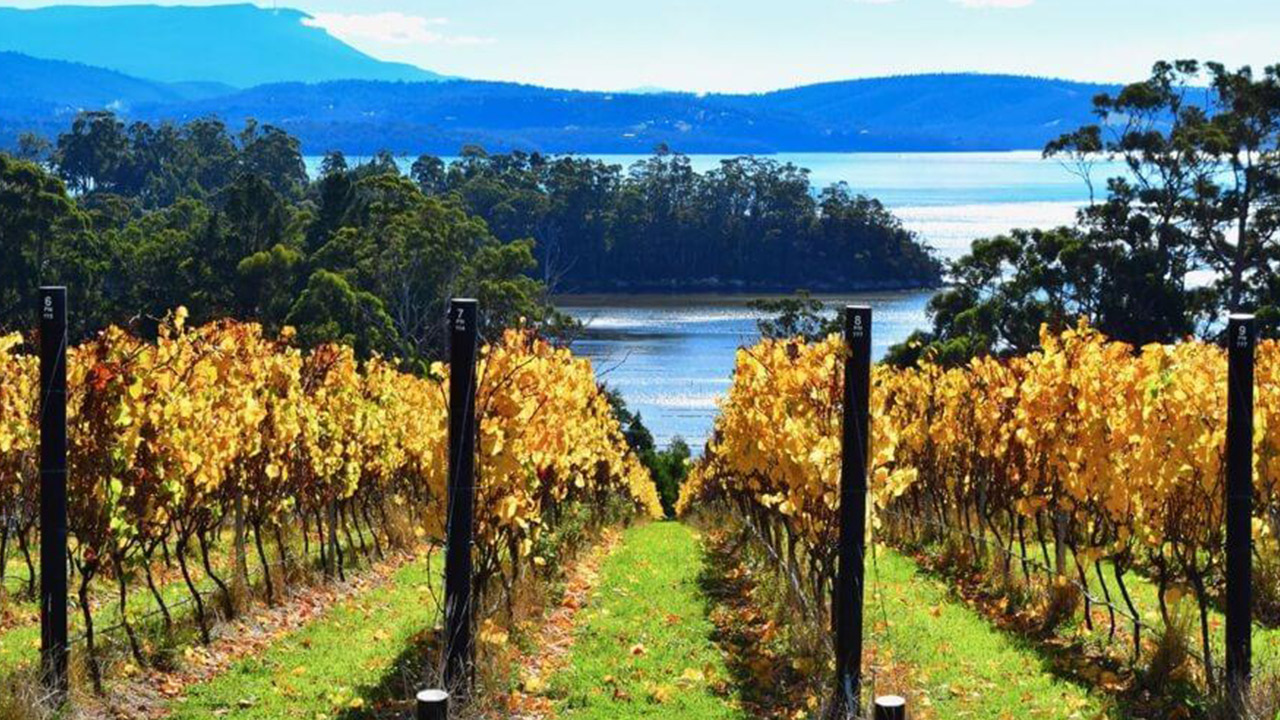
[(691, 676), (660, 694)]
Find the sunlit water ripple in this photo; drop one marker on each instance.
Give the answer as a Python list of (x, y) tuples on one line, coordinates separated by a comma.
[(672, 356)]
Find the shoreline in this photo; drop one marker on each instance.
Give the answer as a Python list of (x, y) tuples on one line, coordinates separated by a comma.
[(731, 289)]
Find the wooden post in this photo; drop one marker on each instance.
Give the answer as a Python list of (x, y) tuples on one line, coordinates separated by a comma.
[(1241, 339), (54, 648), (461, 502), (433, 705), (847, 603)]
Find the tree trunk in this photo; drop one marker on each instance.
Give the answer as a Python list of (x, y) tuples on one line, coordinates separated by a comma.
[(155, 592), (26, 556), (227, 606), (123, 588), (4, 550), (335, 549), (266, 566), (1060, 543)]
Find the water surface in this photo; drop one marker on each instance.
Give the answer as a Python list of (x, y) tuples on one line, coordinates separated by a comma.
[(672, 356)]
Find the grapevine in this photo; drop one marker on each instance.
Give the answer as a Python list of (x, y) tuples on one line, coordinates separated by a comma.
[(176, 442), (1106, 453)]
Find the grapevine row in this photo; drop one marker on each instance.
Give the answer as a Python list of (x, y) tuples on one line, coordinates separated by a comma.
[(174, 442), (1094, 452)]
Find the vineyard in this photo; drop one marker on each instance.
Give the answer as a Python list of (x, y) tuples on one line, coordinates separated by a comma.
[(185, 449), (1079, 490), (1045, 532)]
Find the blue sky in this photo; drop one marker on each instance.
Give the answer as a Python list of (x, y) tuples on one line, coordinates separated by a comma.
[(751, 45)]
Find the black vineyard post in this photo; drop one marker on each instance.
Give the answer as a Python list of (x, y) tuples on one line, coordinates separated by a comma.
[(847, 603), (1241, 339), (54, 648), (461, 501), (889, 707)]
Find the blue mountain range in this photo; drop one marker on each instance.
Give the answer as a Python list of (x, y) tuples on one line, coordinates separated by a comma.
[(240, 61)]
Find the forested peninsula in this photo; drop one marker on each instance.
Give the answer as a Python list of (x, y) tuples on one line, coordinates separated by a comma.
[(138, 218)]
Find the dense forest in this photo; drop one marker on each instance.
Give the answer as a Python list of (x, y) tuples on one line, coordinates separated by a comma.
[(137, 219), (750, 224)]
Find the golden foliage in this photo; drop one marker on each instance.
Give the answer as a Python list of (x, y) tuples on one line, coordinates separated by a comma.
[(1126, 444)]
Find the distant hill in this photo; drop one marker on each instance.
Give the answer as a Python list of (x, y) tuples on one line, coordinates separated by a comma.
[(236, 45), (363, 117), (239, 61), (936, 110), (30, 84), (921, 113)]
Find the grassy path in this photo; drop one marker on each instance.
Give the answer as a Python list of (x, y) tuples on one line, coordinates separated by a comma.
[(334, 666), (964, 667), (643, 648)]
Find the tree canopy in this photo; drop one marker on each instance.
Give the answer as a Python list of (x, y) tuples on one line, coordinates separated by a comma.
[(751, 223), (1162, 252), (138, 219)]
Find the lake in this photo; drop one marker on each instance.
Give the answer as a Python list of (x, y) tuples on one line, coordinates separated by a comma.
[(672, 356)]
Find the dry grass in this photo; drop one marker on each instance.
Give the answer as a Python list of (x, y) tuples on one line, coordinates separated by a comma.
[(23, 698), (1266, 586), (1264, 702), (1061, 604), (1171, 661)]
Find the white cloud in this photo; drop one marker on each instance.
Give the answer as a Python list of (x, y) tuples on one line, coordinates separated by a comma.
[(994, 3), (391, 28)]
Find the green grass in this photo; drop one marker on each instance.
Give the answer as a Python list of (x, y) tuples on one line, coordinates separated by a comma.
[(333, 665), (19, 646), (15, 569), (964, 667), (1144, 593), (643, 647), (20, 641), (648, 596)]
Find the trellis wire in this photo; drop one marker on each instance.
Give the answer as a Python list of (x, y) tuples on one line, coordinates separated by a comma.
[(205, 593), (1137, 622)]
